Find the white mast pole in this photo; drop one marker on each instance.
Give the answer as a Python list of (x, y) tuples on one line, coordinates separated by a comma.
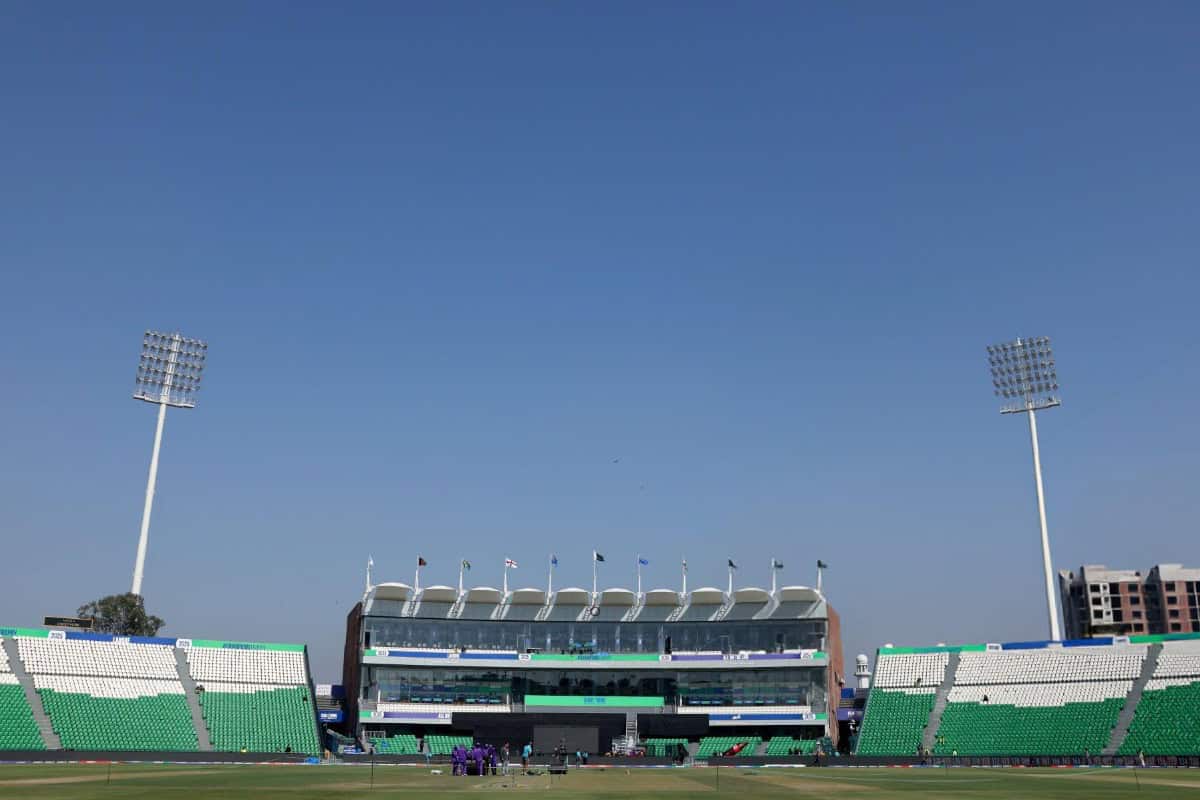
[(1051, 604), (144, 539)]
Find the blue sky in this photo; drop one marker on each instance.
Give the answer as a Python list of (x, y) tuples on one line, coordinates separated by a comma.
[(455, 259)]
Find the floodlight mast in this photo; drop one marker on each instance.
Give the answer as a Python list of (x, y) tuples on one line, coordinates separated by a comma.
[(1024, 371), (168, 375)]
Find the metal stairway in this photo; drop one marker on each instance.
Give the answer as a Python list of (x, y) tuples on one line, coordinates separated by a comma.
[(1120, 730), (929, 737), (193, 700), (45, 728)]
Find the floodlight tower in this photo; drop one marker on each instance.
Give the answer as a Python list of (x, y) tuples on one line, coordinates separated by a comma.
[(167, 375), (1023, 372)]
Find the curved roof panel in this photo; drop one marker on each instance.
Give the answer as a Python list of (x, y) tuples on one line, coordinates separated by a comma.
[(484, 594), (662, 597), (528, 597), (439, 594), (392, 591), (617, 597), (708, 596), (572, 596)]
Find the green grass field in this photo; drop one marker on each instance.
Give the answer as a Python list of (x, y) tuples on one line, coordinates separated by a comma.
[(169, 781)]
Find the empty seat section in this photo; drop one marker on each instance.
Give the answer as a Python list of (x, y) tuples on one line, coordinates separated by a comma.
[(442, 745), (259, 718), (402, 744), (1031, 719), (234, 665), (721, 745), (786, 746), (1167, 721), (102, 713), (895, 720), (115, 659), (910, 670), (18, 731), (663, 747)]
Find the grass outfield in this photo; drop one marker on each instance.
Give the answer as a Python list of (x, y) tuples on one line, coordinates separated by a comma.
[(168, 781)]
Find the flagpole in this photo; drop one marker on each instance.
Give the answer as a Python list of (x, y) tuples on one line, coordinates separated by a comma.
[(370, 563), (639, 575), (772, 576), (731, 581), (506, 577), (417, 578), (594, 563), (684, 592), (460, 578), (550, 579)]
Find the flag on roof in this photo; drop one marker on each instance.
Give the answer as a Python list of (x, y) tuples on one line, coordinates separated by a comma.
[(554, 561), (821, 564), (466, 564), (422, 562), (685, 565), (596, 555), (776, 564), (732, 565), (644, 562), (508, 562)]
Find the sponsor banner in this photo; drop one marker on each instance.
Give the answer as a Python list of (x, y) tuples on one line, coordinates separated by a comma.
[(751, 718), (592, 701), (293, 648), (32, 633), (595, 657), (330, 715), (849, 714), (427, 717)]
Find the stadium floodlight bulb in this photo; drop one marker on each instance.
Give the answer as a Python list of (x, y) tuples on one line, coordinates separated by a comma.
[(1024, 371), (168, 374)]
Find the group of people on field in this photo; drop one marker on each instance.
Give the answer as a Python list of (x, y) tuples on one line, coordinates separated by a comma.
[(484, 759)]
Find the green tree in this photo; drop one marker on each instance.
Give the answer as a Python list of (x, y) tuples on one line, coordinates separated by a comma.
[(122, 614)]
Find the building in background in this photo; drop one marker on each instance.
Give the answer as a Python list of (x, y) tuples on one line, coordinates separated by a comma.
[(599, 670), (1098, 601)]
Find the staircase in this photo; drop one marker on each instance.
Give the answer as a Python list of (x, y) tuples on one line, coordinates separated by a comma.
[(49, 737), (1131, 702), (193, 700), (929, 737), (760, 749)]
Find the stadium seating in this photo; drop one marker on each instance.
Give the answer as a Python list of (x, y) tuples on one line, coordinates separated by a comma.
[(102, 713), (254, 699), (786, 745), (18, 731), (442, 745), (718, 745), (1038, 701), (1166, 721), (911, 670), (404, 744), (233, 665), (895, 721), (1037, 719), (100, 658), (110, 695), (259, 718), (663, 747)]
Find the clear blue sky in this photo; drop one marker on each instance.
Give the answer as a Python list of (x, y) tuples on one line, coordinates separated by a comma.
[(455, 259)]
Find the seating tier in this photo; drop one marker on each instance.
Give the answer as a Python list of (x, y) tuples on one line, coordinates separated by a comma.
[(895, 721), (259, 719), (18, 731), (92, 713)]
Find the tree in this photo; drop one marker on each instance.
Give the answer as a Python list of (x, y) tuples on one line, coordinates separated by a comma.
[(122, 614)]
